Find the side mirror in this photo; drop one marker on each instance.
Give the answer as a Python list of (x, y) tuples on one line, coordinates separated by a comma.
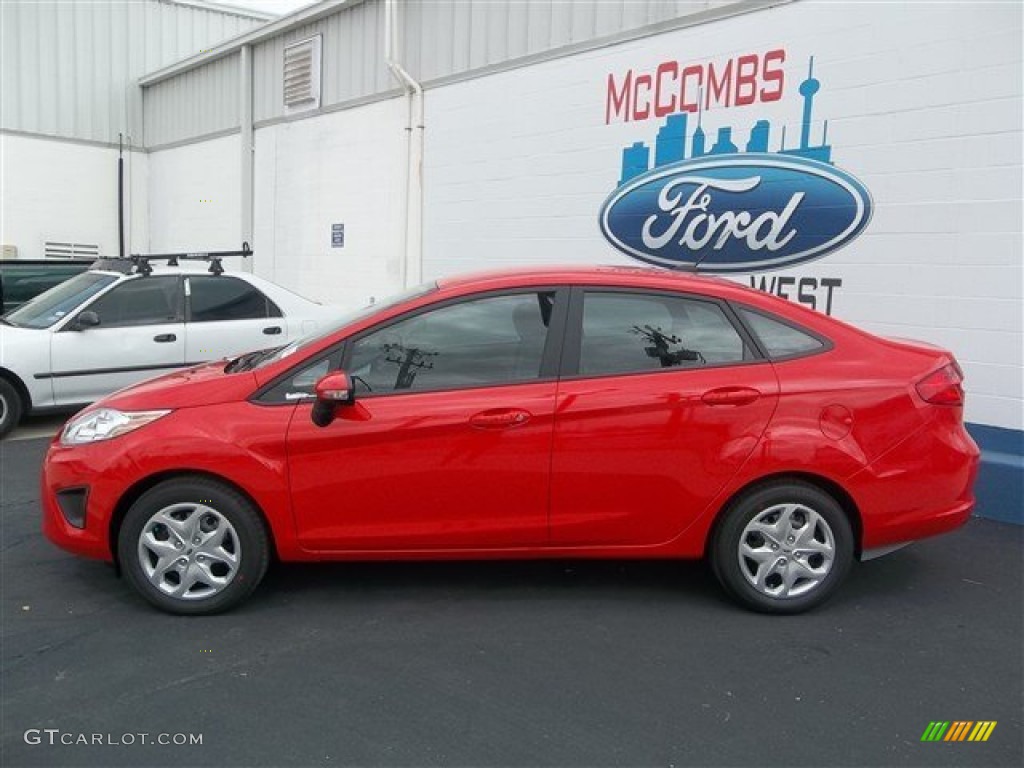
[(87, 319), (332, 390)]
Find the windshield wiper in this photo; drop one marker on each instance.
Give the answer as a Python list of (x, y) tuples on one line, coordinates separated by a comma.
[(242, 362), (249, 360)]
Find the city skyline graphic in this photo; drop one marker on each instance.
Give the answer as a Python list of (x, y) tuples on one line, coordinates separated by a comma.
[(671, 143)]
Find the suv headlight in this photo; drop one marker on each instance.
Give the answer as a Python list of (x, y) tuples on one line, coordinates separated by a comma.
[(105, 424)]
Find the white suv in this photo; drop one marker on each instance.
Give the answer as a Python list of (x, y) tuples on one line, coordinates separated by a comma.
[(118, 324)]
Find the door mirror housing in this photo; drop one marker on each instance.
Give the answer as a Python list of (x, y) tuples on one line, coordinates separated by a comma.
[(87, 319), (332, 390)]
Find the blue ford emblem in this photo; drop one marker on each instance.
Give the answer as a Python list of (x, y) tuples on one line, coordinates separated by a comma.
[(736, 213)]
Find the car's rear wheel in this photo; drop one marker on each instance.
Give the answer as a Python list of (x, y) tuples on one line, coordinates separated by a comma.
[(193, 546), (11, 407), (784, 548)]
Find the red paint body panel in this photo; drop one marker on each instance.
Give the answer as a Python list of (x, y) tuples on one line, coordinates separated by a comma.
[(412, 471), (239, 442), (638, 458), (634, 465)]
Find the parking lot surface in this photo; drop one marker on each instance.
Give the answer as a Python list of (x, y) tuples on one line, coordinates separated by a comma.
[(508, 664), (35, 427)]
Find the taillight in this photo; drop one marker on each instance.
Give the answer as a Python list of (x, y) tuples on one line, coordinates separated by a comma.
[(942, 387)]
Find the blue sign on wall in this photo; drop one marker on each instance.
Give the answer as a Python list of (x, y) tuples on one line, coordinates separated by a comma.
[(723, 210)]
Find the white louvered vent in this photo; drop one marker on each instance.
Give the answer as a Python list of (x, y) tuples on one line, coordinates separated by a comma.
[(302, 75), (55, 250)]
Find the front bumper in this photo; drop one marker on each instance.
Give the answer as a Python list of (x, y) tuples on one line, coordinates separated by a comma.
[(97, 475)]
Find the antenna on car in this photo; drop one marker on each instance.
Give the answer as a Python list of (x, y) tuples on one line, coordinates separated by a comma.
[(141, 261)]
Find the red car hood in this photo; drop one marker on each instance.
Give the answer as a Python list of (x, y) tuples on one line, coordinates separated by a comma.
[(205, 384)]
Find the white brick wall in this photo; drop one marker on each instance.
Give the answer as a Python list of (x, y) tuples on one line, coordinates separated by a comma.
[(195, 198), (342, 168), (923, 102), (67, 192), (346, 167)]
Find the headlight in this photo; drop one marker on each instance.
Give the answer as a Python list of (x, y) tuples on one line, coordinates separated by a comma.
[(105, 424)]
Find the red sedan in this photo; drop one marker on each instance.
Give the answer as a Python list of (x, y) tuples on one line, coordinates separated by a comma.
[(602, 412)]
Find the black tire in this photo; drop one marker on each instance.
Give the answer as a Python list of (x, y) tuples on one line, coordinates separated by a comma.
[(778, 550), (212, 522), (11, 407)]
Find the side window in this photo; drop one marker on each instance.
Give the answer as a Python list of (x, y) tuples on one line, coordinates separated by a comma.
[(778, 338), (628, 332), (141, 301), (217, 297), (299, 385), (475, 343)]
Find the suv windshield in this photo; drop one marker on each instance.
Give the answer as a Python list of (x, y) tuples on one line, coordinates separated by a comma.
[(55, 304)]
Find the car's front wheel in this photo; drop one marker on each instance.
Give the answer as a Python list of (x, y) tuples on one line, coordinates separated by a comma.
[(784, 548), (11, 407), (193, 546)]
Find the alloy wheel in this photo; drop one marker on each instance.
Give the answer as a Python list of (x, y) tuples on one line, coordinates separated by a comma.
[(189, 551), (786, 551)]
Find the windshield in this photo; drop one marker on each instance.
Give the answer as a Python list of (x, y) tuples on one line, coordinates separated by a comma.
[(273, 355), (55, 304)]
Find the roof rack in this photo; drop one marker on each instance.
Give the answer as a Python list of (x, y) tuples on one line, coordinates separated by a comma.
[(140, 262)]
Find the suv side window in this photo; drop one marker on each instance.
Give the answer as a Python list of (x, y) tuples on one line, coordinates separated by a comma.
[(218, 297), (633, 332), (480, 342), (778, 338), (140, 301)]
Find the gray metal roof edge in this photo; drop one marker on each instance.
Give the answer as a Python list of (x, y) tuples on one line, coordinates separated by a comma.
[(70, 140), (298, 18), (736, 8), (696, 19), (230, 10)]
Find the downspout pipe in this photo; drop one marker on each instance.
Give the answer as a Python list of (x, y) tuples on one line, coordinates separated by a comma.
[(412, 266), (247, 150)]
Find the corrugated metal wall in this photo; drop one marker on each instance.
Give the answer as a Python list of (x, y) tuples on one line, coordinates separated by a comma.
[(68, 67), (449, 37), (353, 60), (202, 101), (440, 39)]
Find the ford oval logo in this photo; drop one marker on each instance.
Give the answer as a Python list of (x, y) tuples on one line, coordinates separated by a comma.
[(736, 213)]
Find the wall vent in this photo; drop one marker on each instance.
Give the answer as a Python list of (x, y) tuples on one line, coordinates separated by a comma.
[(55, 250), (302, 75)]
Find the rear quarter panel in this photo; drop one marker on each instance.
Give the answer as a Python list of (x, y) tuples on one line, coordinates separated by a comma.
[(838, 412)]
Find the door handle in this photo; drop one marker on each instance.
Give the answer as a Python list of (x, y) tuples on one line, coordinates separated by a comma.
[(499, 418), (163, 338), (272, 330), (730, 396)]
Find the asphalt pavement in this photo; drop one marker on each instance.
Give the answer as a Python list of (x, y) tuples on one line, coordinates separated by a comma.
[(507, 664)]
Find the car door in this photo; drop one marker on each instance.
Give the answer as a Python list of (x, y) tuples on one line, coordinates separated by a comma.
[(227, 316), (662, 400), (447, 446), (140, 335)]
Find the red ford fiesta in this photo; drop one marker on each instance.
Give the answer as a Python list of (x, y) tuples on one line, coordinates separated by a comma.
[(603, 412)]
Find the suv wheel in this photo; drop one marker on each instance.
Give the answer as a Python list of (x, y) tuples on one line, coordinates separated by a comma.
[(193, 546)]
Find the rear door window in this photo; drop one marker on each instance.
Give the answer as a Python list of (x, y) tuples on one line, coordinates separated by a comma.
[(634, 332), (218, 297)]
